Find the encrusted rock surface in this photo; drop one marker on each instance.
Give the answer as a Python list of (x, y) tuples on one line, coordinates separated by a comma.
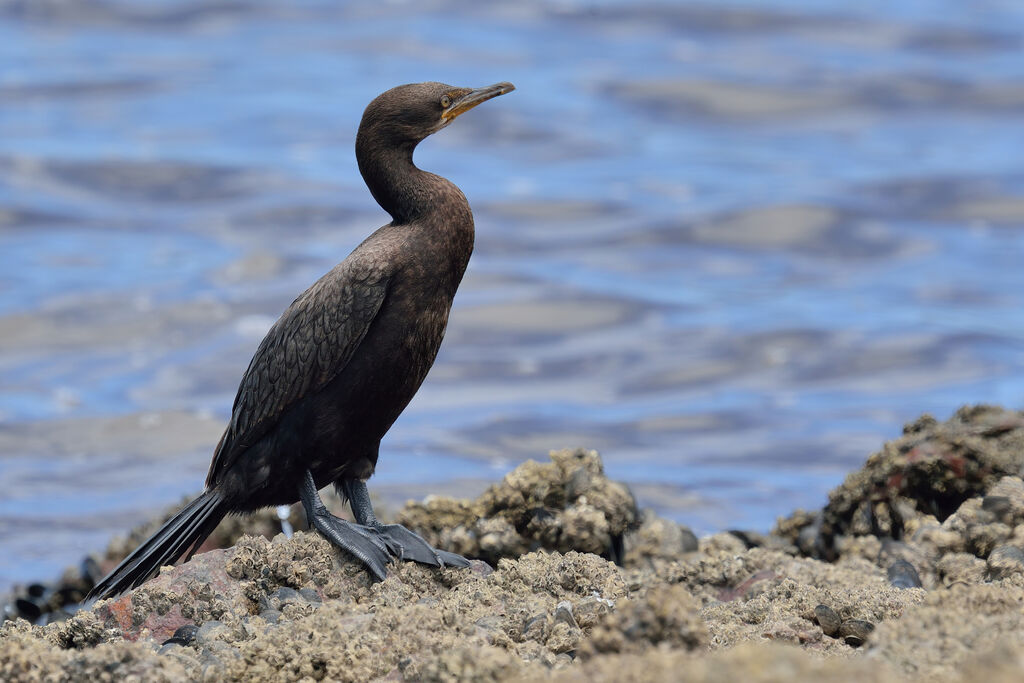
[(918, 482), (935, 597), (566, 504)]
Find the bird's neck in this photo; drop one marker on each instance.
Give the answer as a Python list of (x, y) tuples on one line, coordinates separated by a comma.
[(402, 189)]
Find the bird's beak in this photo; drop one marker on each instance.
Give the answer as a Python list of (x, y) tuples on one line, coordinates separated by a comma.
[(472, 98)]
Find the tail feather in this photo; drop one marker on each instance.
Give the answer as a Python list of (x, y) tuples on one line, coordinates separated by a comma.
[(183, 533)]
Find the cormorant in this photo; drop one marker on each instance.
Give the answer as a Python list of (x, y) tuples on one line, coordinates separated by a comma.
[(345, 358)]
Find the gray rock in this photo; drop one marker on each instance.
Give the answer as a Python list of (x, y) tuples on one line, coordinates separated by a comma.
[(210, 632), (828, 620), (285, 596), (903, 575), (480, 568)]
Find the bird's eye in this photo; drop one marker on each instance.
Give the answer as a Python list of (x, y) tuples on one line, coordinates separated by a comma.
[(446, 101)]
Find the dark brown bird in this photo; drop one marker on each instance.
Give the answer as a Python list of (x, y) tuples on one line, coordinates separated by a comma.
[(343, 361)]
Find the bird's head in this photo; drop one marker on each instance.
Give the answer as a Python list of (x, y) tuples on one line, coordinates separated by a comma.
[(408, 113)]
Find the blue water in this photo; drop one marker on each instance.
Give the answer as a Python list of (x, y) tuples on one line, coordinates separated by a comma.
[(732, 245)]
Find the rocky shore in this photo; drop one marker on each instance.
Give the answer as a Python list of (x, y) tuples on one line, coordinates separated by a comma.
[(914, 570)]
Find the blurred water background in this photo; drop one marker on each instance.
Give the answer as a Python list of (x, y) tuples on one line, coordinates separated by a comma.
[(732, 245)]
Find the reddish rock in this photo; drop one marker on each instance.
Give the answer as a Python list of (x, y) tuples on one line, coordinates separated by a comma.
[(188, 594)]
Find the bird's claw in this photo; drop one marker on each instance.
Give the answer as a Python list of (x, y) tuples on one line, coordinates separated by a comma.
[(359, 541), (376, 546), (412, 546)]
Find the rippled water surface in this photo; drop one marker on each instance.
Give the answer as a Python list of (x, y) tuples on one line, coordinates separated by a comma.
[(732, 245)]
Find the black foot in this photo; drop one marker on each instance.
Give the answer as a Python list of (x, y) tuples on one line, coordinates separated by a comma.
[(372, 543), (412, 547), (365, 544)]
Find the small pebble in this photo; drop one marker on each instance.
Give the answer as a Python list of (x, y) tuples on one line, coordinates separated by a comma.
[(286, 594), (279, 598), (753, 585), (209, 631), (480, 568), (903, 575), (828, 620), (271, 616), (856, 631), (310, 595)]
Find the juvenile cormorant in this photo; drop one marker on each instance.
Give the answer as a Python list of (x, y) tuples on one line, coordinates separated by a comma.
[(345, 358)]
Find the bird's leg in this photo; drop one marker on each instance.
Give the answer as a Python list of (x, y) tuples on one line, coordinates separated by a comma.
[(411, 545), (361, 541)]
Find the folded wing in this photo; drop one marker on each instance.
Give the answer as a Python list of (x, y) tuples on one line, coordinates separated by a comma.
[(309, 345)]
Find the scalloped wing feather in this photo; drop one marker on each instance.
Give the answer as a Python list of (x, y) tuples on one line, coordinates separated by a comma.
[(309, 345)]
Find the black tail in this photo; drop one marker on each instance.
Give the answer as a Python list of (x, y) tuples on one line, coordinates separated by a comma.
[(184, 532)]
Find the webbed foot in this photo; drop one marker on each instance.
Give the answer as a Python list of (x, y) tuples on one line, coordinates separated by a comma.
[(412, 547), (372, 543)]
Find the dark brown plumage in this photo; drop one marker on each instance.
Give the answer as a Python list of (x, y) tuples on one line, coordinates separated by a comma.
[(343, 361)]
